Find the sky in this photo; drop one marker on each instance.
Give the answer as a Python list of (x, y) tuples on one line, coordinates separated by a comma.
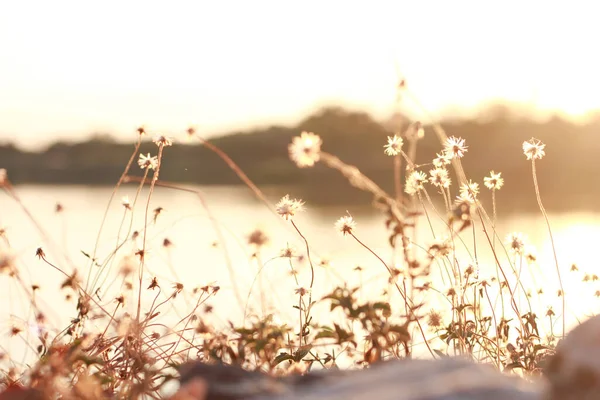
[(72, 68)]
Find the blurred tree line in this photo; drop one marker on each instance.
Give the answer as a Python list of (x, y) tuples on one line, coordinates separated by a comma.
[(567, 175)]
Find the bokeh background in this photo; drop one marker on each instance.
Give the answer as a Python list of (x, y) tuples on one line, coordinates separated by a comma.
[(77, 79)]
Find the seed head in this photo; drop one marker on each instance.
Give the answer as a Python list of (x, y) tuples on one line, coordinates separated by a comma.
[(40, 253), (301, 291), (534, 149), (574, 268), (516, 242), (153, 284), (530, 254), (125, 202), (305, 150), (155, 213), (287, 252)]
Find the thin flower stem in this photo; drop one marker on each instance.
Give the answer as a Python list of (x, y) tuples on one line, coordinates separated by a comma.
[(512, 296), (398, 178), (543, 210), (494, 218), (238, 171), (312, 268), (112, 195), (213, 220), (145, 232)]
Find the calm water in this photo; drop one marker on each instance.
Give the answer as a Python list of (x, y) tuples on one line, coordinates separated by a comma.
[(197, 256)]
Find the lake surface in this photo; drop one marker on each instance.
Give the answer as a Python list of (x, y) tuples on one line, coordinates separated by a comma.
[(198, 255)]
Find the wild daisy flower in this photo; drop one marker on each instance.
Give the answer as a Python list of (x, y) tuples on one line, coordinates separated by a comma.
[(442, 160), (345, 225), (287, 207), (148, 161), (439, 177), (415, 182), (393, 146), (534, 149), (305, 150), (164, 141), (494, 181), (455, 147), (469, 191), (516, 242)]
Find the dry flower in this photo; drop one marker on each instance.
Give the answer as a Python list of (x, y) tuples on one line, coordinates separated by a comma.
[(125, 202), (287, 252), (153, 284), (516, 242)]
